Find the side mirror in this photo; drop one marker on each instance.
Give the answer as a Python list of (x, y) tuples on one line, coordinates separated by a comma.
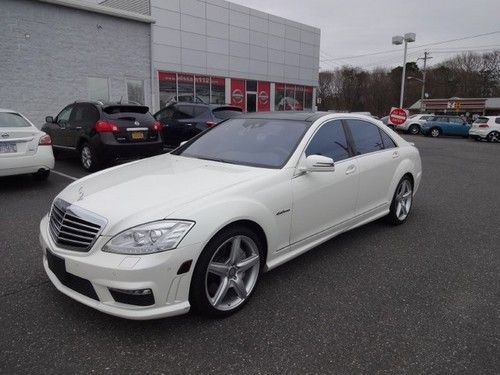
[(49, 119), (318, 163)]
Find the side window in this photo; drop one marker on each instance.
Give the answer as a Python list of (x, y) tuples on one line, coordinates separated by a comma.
[(497, 120), (90, 114), (386, 140), (330, 141), (442, 119), (456, 120), (165, 114), (366, 136), (183, 112), (199, 110), (77, 113), (63, 116)]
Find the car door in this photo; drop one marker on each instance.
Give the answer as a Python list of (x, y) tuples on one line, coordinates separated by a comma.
[(443, 123), (74, 126), (60, 123), (458, 127), (184, 117), (323, 200), (377, 165), (164, 116)]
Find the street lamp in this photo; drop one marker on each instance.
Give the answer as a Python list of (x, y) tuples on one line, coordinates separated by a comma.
[(397, 40)]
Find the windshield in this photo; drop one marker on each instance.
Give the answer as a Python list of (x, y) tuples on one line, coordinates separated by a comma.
[(481, 120), (257, 142), (12, 120)]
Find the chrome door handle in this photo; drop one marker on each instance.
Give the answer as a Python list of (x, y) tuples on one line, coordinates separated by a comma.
[(350, 169), (395, 154)]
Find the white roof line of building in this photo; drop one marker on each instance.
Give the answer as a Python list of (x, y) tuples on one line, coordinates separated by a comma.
[(96, 8)]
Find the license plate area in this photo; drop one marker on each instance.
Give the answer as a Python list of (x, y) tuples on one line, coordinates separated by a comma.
[(137, 136), (8, 147)]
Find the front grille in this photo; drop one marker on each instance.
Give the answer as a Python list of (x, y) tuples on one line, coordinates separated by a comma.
[(74, 228)]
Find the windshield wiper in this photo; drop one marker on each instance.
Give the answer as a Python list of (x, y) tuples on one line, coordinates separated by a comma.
[(215, 159)]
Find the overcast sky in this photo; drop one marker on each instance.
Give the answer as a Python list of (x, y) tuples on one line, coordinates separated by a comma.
[(355, 27)]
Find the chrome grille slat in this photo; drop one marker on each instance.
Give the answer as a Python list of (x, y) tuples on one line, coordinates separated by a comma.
[(74, 228)]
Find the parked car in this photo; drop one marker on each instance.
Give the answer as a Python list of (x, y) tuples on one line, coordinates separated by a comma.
[(102, 132), (445, 125), (414, 123), (486, 127), (23, 148), (182, 121), (197, 227), (185, 98)]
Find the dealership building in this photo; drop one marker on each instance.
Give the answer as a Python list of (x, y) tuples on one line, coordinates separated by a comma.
[(154, 52)]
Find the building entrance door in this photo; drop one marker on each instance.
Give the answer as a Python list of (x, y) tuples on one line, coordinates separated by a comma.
[(251, 101)]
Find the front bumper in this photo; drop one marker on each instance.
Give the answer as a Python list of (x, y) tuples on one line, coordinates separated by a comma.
[(158, 272)]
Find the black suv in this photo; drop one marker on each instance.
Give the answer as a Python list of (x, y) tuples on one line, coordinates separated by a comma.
[(182, 121), (101, 133)]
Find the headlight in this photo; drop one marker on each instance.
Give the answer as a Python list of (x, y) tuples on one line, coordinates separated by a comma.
[(149, 238)]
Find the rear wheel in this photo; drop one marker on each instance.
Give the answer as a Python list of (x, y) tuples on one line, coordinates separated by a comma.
[(414, 129), (493, 137), (226, 272), (401, 202), (88, 158), (435, 132), (42, 175)]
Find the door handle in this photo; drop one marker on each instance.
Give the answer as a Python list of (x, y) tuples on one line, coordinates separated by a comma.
[(395, 154), (350, 169), (78, 127)]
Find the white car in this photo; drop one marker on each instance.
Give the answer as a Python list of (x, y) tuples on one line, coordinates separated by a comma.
[(23, 148), (413, 124), (197, 227), (486, 127)]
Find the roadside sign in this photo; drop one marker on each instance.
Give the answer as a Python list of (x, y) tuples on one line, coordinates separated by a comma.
[(398, 116)]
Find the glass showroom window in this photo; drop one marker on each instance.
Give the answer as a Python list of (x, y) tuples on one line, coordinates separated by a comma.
[(168, 87), (202, 86), (185, 88), (98, 88), (135, 91), (279, 97), (299, 98), (218, 85), (308, 97)]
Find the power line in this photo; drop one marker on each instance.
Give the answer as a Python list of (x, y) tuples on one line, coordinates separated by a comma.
[(413, 47)]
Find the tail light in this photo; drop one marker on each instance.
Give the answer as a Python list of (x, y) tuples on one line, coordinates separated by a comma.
[(211, 124), (106, 127), (156, 126), (483, 126), (45, 140)]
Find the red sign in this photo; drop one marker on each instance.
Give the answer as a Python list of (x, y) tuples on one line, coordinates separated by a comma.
[(398, 116), (165, 76), (218, 81), (263, 94), (238, 93)]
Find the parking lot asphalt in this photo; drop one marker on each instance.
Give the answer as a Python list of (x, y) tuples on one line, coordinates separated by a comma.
[(423, 297)]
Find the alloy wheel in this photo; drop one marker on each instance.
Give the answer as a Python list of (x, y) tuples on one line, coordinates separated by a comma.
[(435, 132), (404, 196), (414, 129), (494, 137), (86, 157), (232, 273)]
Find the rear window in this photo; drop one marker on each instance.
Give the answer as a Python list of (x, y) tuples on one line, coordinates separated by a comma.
[(12, 120), (224, 113), (481, 120), (112, 109)]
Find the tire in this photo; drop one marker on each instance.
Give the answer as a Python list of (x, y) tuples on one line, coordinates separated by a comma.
[(402, 202), (494, 137), (88, 159), (435, 132), (42, 175), (227, 286), (414, 129)]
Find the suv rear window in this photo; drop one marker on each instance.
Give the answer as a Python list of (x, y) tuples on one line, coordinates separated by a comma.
[(112, 109), (224, 113), (481, 120), (12, 120)]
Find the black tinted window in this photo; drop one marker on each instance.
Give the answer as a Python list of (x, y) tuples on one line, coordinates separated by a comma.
[(183, 112), (165, 114), (497, 120), (257, 142), (366, 136), (388, 142), (197, 111), (112, 109), (225, 113), (63, 116), (330, 141)]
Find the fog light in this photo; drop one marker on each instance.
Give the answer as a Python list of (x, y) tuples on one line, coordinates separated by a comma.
[(137, 297), (136, 292)]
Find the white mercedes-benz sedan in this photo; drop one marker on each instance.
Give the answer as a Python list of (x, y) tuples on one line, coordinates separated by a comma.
[(196, 228), (23, 148)]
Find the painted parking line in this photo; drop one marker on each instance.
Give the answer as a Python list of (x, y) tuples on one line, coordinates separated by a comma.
[(64, 175)]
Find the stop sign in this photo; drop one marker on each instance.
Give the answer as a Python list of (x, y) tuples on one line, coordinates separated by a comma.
[(398, 116)]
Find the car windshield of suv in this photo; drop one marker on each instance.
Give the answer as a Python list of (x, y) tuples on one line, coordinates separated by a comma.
[(263, 143), (12, 120)]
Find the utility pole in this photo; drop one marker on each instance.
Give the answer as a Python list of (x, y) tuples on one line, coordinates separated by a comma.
[(425, 58)]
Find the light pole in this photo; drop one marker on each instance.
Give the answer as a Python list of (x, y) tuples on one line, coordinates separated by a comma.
[(422, 81), (397, 40)]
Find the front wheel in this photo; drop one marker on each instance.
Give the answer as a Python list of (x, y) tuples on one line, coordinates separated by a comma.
[(435, 133), (414, 129), (493, 137), (401, 202), (226, 272)]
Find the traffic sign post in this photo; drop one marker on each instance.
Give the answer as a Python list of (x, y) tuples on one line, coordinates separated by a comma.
[(398, 116)]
